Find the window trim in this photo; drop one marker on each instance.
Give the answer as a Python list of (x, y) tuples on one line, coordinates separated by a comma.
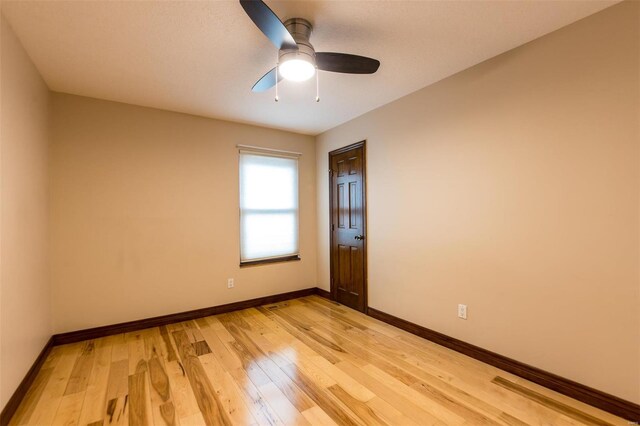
[(279, 259)]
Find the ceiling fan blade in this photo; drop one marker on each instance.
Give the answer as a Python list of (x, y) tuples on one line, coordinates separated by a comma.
[(266, 82), (345, 63), (269, 23)]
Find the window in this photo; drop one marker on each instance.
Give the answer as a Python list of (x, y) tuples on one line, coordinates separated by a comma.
[(268, 207)]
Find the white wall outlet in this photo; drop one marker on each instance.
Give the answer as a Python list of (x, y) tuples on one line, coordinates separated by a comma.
[(230, 283), (462, 311)]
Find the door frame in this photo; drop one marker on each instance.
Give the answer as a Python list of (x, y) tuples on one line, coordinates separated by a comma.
[(333, 288)]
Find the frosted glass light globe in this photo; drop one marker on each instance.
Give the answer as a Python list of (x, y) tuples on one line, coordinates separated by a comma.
[(297, 70)]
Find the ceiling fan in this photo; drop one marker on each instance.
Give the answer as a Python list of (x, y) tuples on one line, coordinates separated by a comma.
[(297, 59)]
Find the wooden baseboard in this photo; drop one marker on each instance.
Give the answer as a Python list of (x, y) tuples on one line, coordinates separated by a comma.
[(323, 293), (126, 327), (612, 404), (14, 402)]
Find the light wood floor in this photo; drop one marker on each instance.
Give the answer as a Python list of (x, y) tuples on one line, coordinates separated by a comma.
[(305, 361)]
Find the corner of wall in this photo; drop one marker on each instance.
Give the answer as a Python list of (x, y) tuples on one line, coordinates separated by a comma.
[(24, 277)]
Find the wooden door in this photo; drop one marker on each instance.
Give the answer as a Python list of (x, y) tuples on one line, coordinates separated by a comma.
[(348, 224)]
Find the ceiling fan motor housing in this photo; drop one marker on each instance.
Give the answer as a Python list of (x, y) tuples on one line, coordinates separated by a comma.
[(300, 29)]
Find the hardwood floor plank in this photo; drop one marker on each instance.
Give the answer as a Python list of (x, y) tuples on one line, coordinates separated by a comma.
[(63, 370), (240, 352), (278, 335), (120, 350), (340, 414), (231, 399), (137, 352), (45, 412), (195, 419), (139, 404), (184, 398), (171, 354), (262, 411), (82, 369), (326, 314), (163, 410), (138, 381), (508, 419), (390, 414), (158, 378), (95, 397), (302, 336), (167, 415), (399, 401), (53, 358), (208, 402), (220, 351), (117, 384), (346, 382), (283, 355), (437, 404), (284, 409), (202, 323), (51, 396), (163, 405), (201, 347), (311, 362), (116, 410), (316, 416), (304, 327), (360, 409), (193, 331), (28, 405), (69, 410)]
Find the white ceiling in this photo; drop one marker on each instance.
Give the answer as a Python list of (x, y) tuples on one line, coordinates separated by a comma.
[(202, 57)]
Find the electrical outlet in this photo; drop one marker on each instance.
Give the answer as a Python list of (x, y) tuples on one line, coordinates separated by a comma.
[(462, 311), (230, 283)]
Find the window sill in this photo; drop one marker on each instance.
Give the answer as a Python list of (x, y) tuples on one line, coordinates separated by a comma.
[(267, 261)]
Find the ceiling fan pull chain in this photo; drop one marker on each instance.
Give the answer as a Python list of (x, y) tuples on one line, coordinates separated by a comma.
[(317, 85), (277, 65)]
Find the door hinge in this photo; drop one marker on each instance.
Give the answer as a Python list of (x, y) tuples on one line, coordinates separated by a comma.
[(333, 227), (330, 171)]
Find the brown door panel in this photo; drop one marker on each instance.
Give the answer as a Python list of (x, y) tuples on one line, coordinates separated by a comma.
[(348, 246)]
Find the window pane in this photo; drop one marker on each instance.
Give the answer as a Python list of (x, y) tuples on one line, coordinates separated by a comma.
[(268, 182), (268, 235), (268, 206)]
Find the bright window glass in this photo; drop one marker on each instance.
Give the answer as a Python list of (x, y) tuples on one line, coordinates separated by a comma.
[(268, 206)]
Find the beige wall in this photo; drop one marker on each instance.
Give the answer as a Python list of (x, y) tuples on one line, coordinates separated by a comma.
[(513, 187), (25, 313), (144, 213)]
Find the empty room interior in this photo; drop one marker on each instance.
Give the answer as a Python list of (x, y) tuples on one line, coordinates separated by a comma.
[(247, 212)]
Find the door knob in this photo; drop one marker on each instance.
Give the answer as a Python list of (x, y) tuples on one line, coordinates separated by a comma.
[(359, 237)]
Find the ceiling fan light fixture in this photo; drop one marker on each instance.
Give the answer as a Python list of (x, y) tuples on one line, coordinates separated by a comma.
[(297, 59), (297, 69)]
